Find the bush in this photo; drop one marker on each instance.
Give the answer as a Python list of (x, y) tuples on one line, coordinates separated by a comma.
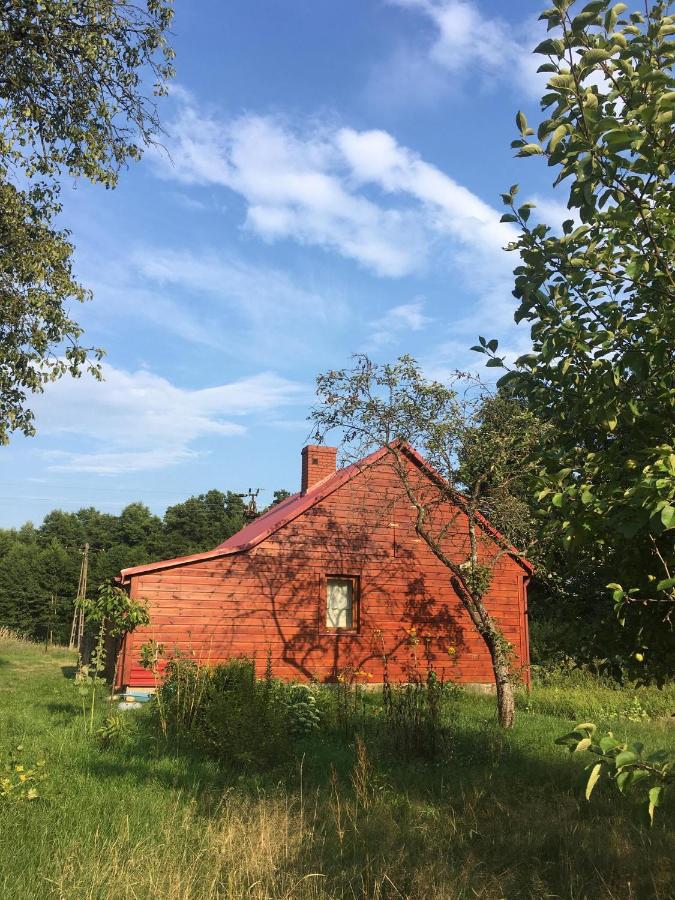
[(304, 715), (413, 718), (230, 714)]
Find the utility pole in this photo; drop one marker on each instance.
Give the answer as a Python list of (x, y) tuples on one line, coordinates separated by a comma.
[(77, 628), (250, 508)]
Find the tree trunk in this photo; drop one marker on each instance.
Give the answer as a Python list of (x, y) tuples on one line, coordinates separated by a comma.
[(506, 708), (496, 644)]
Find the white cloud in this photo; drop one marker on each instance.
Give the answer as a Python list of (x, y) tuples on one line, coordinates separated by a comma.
[(465, 47), (399, 320), (294, 186), (451, 209), (358, 193), (137, 421)]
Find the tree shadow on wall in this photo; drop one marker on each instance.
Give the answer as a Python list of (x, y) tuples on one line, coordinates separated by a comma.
[(404, 622)]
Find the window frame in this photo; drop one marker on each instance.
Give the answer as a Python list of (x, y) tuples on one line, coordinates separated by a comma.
[(355, 580)]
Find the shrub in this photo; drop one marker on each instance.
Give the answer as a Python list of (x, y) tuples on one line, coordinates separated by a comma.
[(414, 717), (228, 713), (304, 715)]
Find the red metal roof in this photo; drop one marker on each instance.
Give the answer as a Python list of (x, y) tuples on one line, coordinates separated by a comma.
[(292, 507), (265, 525)]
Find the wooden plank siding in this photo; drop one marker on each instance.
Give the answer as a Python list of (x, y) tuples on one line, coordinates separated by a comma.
[(271, 599)]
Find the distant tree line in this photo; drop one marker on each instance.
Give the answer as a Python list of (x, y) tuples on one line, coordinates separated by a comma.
[(40, 566)]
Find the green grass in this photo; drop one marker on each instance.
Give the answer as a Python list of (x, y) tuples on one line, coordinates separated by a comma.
[(503, 816)]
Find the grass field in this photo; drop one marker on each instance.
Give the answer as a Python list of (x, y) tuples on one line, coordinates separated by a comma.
[(502, 816)]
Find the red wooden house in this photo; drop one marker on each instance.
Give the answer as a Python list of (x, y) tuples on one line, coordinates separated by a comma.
[(332, 580)]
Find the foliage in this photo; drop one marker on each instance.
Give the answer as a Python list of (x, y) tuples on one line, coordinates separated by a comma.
[(114, 732), (115, 613), (304, 714), (413, 715), (625, 763), (599, 299), (477, 443), (201, 522), (17, 783), (227, 712), (72, 103)]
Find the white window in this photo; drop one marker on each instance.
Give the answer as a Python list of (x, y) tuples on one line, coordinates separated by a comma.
[(340, 603)]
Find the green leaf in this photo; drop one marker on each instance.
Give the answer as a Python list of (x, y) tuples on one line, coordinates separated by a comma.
[(596, 771), (668, 516), (556, 137), (550, 47), (521, 122), (596, 55), (666, 584), (583, 20), (530, 150), (587, 726), (625, 779), (495, 363), (655, 795), (626, 758)]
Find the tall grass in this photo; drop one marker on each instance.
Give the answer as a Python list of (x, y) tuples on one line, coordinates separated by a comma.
[(499, 815)]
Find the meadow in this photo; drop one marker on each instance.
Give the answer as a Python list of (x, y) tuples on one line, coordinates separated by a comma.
[(496, 815)]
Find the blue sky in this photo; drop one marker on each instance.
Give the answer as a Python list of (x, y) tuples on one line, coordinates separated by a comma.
[(331, 185)]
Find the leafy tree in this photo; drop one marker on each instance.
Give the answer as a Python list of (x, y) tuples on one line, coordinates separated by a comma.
[(72, 102), (599, 298), (202, 522), (137, 527), (475, 442), (62, 526), (280, 496), (115, 614)]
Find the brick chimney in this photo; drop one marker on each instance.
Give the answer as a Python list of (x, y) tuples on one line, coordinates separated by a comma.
[(318, 462)]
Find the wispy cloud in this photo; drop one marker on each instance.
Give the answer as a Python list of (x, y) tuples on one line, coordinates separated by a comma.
[(397, 322), (217, 300), (295, 186), (463, 45), (138, 421)]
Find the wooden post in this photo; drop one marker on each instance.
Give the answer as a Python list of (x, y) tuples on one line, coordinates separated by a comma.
[(77, 628)]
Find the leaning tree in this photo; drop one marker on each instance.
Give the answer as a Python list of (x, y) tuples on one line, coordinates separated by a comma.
[(476, 445)]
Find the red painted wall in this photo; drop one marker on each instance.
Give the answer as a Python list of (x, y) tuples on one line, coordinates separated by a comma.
[(272, 598)]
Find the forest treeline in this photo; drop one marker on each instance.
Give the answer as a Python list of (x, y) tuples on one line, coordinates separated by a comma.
[(40, 565)]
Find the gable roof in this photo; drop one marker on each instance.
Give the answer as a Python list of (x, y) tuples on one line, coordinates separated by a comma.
[(289, 509)]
